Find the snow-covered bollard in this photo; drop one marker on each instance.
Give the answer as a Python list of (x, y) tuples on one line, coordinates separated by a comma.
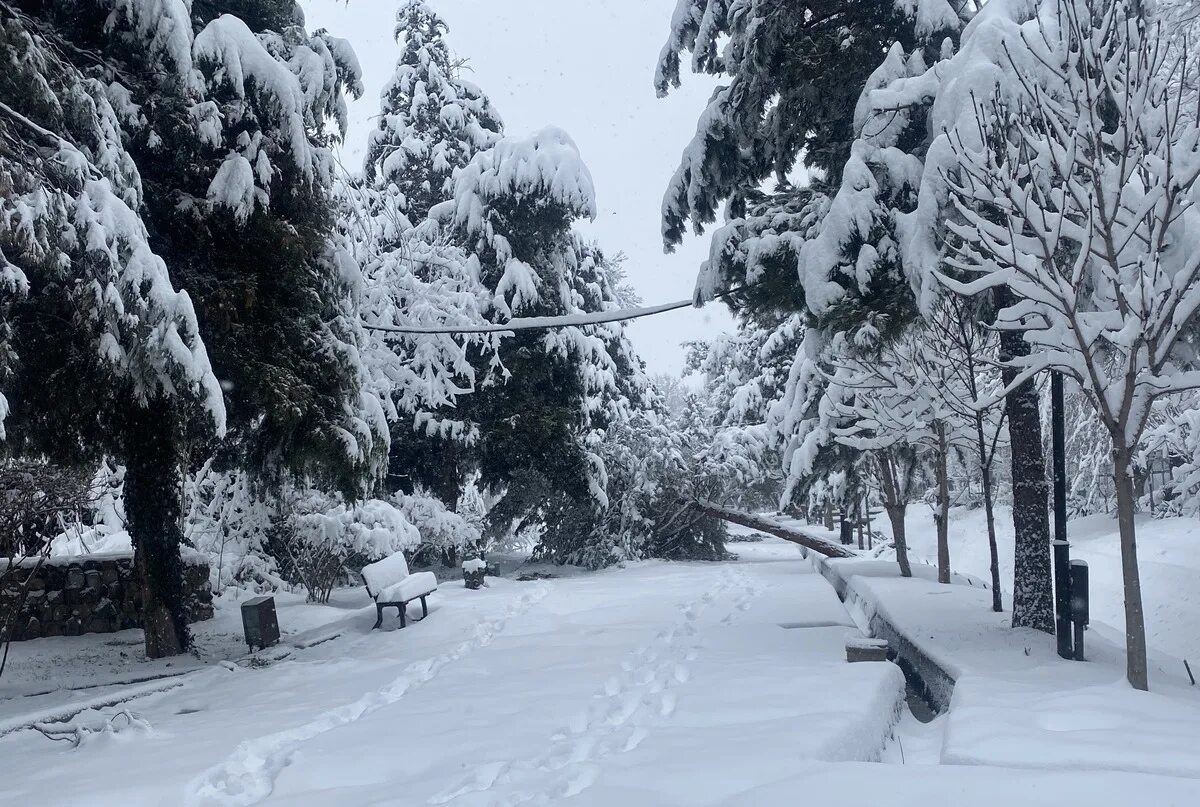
[(865, 648), (473, 571)]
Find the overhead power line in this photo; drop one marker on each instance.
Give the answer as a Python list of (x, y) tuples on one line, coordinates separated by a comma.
[(538, 323), (549, 323)]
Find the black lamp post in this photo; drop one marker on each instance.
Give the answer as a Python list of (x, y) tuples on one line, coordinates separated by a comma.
[(1062, 559)]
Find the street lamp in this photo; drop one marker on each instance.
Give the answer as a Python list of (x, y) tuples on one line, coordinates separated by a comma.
[(1062, 554)]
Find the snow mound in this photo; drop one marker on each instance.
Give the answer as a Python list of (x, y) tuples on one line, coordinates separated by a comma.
[(1104, 727)]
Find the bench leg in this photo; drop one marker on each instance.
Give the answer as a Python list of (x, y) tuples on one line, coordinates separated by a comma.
[(378, 616), (424, 608), (402, 608)]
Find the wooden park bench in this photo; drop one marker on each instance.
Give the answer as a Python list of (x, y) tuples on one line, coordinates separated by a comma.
[(391, 585)]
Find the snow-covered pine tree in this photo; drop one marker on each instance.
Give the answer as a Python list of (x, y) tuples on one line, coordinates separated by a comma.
[(657, 463), (242, 205), (795, 71), (744, 376), (555, 390), (222, 123), (432, 121), (424, 279), (100, 351)]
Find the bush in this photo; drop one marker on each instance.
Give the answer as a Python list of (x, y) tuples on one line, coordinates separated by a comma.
[(319, 541)]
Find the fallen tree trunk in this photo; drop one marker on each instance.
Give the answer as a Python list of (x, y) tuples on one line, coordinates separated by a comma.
[(762, 524)]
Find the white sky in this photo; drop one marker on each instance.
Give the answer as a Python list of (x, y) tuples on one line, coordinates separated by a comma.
[(587, 67)]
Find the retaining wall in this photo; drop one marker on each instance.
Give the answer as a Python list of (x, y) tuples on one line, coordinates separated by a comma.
[(91, 594), (936, 681)]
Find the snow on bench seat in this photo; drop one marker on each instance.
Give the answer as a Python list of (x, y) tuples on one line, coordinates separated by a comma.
[(392, 586), (410, 588)]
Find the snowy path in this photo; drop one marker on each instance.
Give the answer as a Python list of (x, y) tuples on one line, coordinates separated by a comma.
[(660, 684)]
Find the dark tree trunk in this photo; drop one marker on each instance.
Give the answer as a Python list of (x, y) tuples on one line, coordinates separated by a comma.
[(985, 469), (896, 506), (153, 510), (941, 471), (771, 527), (895, 514), (1135, 619), (858, 525), (1033, 586)]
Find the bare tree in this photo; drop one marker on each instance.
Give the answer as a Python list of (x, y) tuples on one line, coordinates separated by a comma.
[(906, 394), (1074, 193), (972, 361), (898, 470)]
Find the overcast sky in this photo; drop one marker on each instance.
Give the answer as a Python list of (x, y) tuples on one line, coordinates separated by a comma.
[(586, 67)]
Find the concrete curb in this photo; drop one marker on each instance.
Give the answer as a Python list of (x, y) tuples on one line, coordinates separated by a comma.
[(938, 684)]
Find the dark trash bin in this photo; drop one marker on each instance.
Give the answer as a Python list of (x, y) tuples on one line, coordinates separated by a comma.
[(259, 622)]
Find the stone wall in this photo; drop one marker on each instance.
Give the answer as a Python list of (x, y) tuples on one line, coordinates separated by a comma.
[(92, 594)]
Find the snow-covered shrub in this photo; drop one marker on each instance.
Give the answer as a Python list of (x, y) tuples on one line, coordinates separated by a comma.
[(319, 540), (38, 501), (101, 527), (1175, 437), (228, 521), (444, 534)]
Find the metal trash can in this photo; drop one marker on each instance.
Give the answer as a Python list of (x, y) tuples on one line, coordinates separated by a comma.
[(259, 622)]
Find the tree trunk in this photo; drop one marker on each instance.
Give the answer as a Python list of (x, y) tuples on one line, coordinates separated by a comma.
[(1033, 583), (858, 524), (867, 517), (845, 528), (943, 512), (1135, 623), (829, 516), (153, 512), (895, 514), (754, 522), (895, 507), (985, 470)]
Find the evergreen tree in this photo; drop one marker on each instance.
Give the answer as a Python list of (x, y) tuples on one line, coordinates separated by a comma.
[(514, 207), (432, 121), (744, 377), (846, 232), (788, 113), (100, 352), (212, 128)]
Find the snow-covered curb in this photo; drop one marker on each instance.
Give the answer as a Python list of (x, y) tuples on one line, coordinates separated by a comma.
[(1010, 701), (871, 619), (871, 730)]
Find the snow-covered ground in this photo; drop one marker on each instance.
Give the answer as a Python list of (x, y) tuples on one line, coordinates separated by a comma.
[(1168, 558), (655, 684), (1016, 702)]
